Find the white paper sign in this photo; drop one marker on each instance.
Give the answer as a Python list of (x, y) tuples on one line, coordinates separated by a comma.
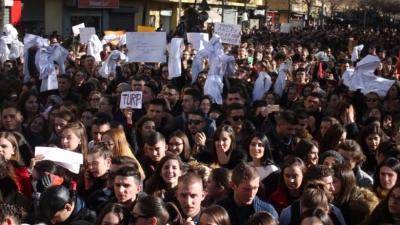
[(198, 40), (229, 33), (86, 33), (380, 86), (146, 46), (285, 27), (131, 99), (64, 158), (75, 29)]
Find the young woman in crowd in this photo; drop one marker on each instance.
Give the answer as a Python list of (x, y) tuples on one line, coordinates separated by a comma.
[(205, 104), (388, 210), (330, 158), (151, 207), (386, 176), (178, 144), (74, 138), (218, 185), (51, 114), (9, 149), (115, 140), (143, 127), (165, 176), (260, 153), (29, 104), (224, 149), (354, 202), (214, 215), (307, 150), (369, 139), (354, 158), (94, 99), (314, 216), (326, 123), (290, 184), (9, 187), (113, 214), (38, 133), (391, 101), (334, 135), (61, 119)]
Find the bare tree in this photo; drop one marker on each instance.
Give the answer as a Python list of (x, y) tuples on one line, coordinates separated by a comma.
[(309, 4)]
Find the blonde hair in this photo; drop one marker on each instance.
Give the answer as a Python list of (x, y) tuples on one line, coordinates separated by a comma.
[(9, 136), (79, 130), (122, 147)]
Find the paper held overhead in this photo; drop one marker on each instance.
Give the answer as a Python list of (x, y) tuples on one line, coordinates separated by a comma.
[(362, 77), (75, 29), (67, 159)]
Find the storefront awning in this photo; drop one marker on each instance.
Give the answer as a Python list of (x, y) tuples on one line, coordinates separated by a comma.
[(213, 17)]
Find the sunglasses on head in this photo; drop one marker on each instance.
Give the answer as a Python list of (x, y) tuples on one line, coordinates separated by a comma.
[(237, 118), (195, 122), (372, 99)]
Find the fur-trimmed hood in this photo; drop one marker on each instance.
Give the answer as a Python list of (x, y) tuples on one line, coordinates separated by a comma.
[(365, 203)]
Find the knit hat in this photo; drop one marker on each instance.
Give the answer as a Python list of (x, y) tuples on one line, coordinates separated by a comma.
[(338, 158)]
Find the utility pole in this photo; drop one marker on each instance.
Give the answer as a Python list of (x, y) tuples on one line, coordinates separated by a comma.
[(144, 13), (223, 10)]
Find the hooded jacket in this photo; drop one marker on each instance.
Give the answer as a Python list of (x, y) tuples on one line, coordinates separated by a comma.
[(356, 210), (80, 212)]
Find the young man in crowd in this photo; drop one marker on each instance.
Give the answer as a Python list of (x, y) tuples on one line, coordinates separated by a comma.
[(190, 194), (242, 203), (127, 185), (155, 147)]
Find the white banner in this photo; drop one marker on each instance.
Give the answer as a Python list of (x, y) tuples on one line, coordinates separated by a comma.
[(146, 46), (229, 33)]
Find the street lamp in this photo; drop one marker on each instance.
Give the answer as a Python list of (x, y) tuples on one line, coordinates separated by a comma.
[(203, 15)]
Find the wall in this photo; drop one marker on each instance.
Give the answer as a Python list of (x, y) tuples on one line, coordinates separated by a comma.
[(53, 16)]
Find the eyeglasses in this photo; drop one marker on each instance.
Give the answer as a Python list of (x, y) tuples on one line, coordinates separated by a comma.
[(95, 99), (396, 199), (165, 72), (103, 104), (237, 118), (372, 99), (135, 216), (175, 144), (195, 122)]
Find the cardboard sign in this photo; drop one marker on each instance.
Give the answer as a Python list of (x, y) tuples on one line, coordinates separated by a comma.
[(86, 33), (116, 33), (198, 40), (98, 3), (75, 29), (285, 27), (145, 29), (146, 46), (229, 33), (132, 99)]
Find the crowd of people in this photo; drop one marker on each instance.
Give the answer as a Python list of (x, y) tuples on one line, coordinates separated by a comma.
[(314, 153)]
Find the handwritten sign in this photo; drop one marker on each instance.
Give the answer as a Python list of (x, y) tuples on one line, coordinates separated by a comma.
[(198, 40), (146, 46), (145, 29), (86, 33), (75, 29), (131, 99), (229, 33), (285, 27)]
